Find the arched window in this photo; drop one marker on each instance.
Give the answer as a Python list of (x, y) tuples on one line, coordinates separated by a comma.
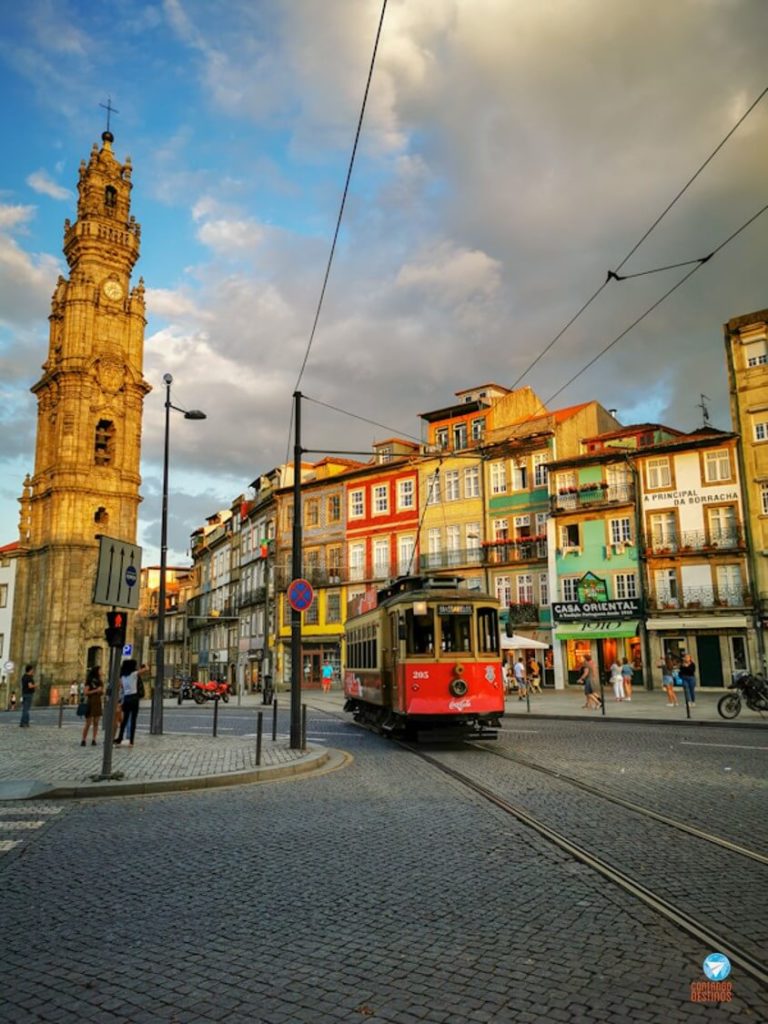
[(101, 516), (110, 196), (104, 443)]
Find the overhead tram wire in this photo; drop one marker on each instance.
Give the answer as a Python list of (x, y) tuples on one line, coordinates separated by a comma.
[(658, 302), (363, 419), (614, 275), (341, 212)]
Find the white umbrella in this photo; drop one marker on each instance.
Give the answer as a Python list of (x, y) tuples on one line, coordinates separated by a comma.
[(521, 643)]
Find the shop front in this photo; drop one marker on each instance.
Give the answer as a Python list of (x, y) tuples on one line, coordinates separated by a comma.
[(719, 646), (608, 630)]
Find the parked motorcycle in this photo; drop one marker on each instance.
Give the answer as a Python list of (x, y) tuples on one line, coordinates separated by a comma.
[(752, 690), (184, 692), (201, 692)]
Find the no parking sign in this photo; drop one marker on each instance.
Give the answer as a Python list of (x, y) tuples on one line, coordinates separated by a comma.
[(300, 595)]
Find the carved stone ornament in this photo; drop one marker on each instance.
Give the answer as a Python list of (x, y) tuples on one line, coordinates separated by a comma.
[(111, 375)]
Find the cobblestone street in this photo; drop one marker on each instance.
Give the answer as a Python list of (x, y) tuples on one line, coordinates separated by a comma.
[(382, 891)]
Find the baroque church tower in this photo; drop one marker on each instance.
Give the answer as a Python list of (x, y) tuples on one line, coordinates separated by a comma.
[(89, 409)]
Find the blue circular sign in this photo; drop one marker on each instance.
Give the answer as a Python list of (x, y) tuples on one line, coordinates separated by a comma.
[(300, 595), (130, 576), (717, 966)]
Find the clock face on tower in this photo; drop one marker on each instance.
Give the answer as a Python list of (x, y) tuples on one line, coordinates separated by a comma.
[(113, 290)]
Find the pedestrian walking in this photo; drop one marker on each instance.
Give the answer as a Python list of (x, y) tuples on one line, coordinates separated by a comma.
[(588, 678), (687, 673), (667, 666), (520, 678), (534, 675), (327, 676), (73, 693), (94, 687), (506, 673), (131, 692), (616, 680), (27, 693), (627, 674), (13, 700)]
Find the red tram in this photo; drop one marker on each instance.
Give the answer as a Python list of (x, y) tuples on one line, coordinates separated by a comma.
[(426, 659)]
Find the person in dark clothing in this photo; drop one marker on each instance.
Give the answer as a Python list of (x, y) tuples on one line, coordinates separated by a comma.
[(130, 694), (687, 673), (27, 693)]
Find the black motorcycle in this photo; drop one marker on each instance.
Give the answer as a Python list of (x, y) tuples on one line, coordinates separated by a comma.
[(752, 690)]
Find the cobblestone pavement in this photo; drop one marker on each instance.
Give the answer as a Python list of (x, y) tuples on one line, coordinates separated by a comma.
[(52, 757), (382, 892)]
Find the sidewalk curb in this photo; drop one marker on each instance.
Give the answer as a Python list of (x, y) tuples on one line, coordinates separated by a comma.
[(307, 765), (523, 716)]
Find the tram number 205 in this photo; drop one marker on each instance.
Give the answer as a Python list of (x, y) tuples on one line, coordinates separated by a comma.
[(421, 675)]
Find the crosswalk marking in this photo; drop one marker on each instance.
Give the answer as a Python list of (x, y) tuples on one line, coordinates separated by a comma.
[(19, 826), (8, 844), (24, 822)]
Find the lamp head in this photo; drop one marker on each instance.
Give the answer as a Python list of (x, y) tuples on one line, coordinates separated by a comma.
[(194, 414), (167, 378)]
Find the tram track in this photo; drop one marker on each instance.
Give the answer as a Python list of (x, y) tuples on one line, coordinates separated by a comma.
[(646, 812), (687, 922)]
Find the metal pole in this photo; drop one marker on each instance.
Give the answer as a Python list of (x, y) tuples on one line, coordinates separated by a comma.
[(109, 729), (61, 711), (296, 574), (259, 727), (303, 726), (602, 696), (215, 715), (156, 721), (274, 719)]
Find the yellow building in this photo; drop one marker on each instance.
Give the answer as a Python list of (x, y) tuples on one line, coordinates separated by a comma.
[(89, 408), (746, 354)]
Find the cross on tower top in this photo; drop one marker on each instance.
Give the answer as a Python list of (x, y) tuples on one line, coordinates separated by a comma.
[(110, 110)]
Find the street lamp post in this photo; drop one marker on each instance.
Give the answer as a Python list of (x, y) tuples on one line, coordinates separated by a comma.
[(156, 721)]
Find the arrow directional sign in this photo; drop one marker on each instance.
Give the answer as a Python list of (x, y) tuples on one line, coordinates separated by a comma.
[(117, 573)]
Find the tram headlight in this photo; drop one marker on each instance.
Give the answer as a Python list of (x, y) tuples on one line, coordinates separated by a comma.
[(458, 687)]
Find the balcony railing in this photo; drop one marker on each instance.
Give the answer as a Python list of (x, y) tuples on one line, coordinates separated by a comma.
[(690, 541), (451, 559), (588, 495), (256, 595), (705, 598), (523, 611), (317, 577), (502, 552)]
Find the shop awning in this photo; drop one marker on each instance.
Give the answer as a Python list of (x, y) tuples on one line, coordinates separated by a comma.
[(691, 622), (597, 631)]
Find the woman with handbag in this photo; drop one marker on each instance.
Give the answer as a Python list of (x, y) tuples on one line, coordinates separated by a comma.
[(94, 687), (131, 692)]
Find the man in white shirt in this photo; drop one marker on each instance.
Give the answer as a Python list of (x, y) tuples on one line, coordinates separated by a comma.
[(520, 678)]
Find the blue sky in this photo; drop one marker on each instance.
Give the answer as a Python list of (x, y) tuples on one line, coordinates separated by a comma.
[(511, 154)]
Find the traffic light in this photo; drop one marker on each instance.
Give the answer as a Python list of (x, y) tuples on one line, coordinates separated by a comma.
[(117, 623)]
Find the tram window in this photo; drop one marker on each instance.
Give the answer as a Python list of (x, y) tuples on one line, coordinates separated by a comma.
[(420, 632), (487, 631), (456, 633)]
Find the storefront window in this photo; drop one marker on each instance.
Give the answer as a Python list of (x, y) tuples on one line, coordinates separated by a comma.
[(576, 651), (739, 653)]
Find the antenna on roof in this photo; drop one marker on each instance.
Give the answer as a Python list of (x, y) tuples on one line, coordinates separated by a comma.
[(704, 410)]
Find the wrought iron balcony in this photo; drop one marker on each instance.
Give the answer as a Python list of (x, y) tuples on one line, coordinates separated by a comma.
[(697, 541), (704, 598), (523, 611), (590, 495), (526, 549), (256, 595), (451, 559)]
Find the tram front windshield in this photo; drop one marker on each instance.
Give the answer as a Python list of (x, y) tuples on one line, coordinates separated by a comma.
[(456, 632)]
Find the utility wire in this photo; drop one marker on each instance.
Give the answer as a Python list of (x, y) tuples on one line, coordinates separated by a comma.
[(363, 419), (344, 195), (613, 275), (657, 303), (338, 219)]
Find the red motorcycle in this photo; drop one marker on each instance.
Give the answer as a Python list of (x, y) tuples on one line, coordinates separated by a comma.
[(201, 692)]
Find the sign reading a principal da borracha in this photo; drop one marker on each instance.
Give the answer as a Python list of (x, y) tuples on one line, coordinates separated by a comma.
[(597, 611)]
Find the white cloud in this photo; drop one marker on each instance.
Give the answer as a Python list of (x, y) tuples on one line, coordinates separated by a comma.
[(13, 216), (452, 275), (41, 181)]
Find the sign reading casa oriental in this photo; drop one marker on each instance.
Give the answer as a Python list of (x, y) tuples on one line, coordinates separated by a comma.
[(597, 611), (593, 604)]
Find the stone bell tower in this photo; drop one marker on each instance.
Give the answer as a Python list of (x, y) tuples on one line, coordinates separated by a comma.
[(89, 408)]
